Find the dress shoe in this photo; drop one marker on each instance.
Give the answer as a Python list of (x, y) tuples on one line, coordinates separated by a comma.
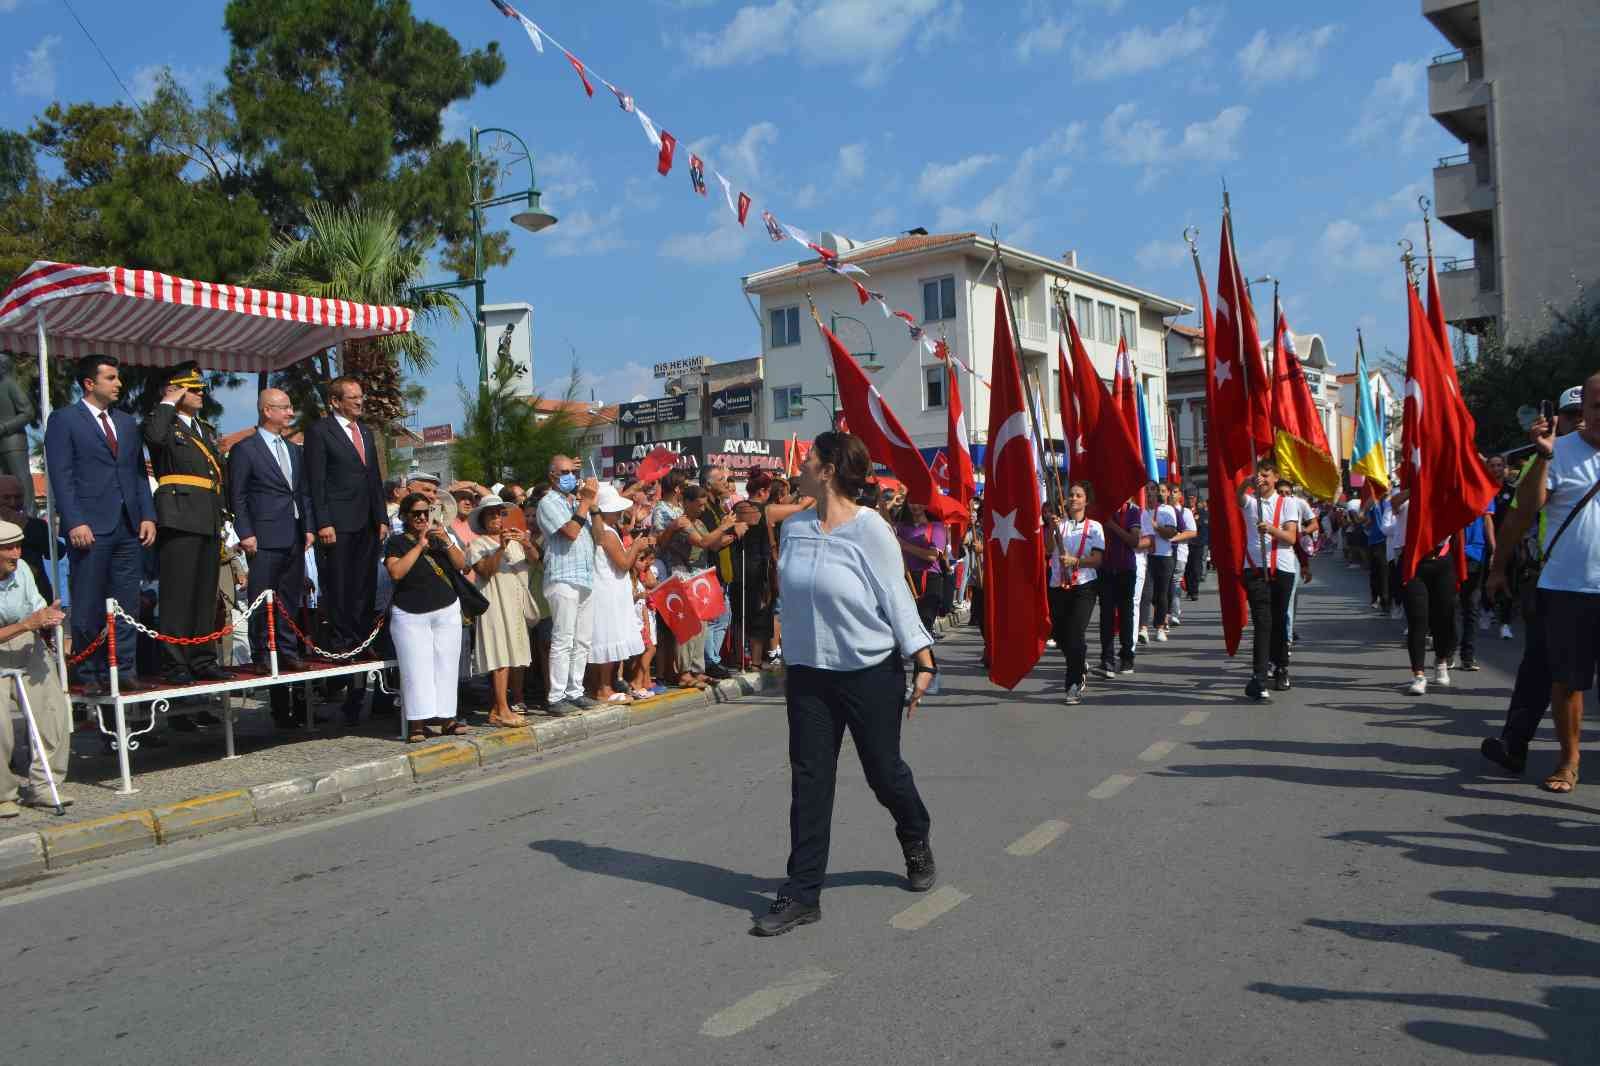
[(784, 915), (1496, 751), (40, 797), (211, 674), (717, 672), (921, 872), (206, 718), (182, 723)]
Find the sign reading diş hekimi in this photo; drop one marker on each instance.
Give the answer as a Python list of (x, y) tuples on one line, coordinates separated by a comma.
[(653, 412), (678, 367)]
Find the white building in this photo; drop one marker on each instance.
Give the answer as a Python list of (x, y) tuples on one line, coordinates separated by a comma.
[(947, 281)]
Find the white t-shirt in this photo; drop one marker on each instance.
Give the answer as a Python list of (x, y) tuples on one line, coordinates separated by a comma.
[(1280, 511), (1185, 524), (1393, 525), (1575, 566), (1079, 539), (1164, 516), (1147, 527)]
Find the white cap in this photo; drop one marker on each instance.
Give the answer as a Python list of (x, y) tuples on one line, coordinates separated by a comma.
[(610, 501), (1572, 399)]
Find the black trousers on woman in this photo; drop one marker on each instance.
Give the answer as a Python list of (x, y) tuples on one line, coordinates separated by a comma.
[(1069, 623), (1431, 608), (822, 705), (1158, 579)]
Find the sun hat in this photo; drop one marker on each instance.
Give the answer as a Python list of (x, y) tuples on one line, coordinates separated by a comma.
[(610, 501), (10, 533), (485, 505)]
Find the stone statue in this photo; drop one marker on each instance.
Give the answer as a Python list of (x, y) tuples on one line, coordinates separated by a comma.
[(16, 411)]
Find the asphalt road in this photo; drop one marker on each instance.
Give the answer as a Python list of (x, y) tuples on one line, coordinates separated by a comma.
[(1164, 874)]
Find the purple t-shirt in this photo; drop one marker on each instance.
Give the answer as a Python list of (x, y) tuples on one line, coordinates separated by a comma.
[(920, 536)]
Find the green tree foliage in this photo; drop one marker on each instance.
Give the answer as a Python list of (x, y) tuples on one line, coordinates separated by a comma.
[(1505, 377), (503, 438)]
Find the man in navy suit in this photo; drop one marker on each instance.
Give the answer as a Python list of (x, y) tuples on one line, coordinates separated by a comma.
[(95, 461), (348, 513)]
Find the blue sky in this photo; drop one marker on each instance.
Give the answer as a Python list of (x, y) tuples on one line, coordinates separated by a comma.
[(1104, 126)]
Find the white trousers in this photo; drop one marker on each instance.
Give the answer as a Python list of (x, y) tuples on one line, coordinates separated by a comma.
[(428, 647), (573, 609), (1141, 566)]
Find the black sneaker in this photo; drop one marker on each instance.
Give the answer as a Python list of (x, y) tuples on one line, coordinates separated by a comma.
[(784, 915), (717, 672), (1127, 667), (1280, 681), (920, 870), (1512, 762), (1257, 691), (1468, 665), (1108, 669)]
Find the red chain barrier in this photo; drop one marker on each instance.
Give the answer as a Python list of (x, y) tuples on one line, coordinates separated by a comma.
[(90, 650)]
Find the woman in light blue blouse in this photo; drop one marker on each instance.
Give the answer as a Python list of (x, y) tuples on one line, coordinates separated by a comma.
[(848, 618)]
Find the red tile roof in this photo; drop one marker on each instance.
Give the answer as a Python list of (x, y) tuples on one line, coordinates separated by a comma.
[(583, 414), (1188, 331), (901, 246)]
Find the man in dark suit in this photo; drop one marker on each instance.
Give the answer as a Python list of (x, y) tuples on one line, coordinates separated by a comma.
[(348, 512), (96, 471), (189, 501), (272, 516)]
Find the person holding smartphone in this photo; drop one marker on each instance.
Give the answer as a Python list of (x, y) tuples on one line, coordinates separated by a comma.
[(425, 620)]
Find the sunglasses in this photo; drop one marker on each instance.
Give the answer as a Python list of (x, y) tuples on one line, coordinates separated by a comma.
[(418, 514)]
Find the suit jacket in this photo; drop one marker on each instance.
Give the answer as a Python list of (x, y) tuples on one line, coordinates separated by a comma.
[(90, 486), (176, 449), (263, 502), (346, 493)]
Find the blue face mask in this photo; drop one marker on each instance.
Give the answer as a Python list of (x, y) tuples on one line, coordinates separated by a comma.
[(567, 482)]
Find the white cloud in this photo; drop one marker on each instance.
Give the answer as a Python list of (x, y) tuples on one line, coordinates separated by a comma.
[(1161, 255), (864, 35), (1139, 141), (740, 159), (585, 233), (35, 75), (454, 122), (1044, 38), (723, 241), (1140, 49), (195, 80), (632, 380), (1294, 56), (852, 162), (1402, 202), (1345, 245), (1012, 204), (1394, 112), (939, 180), (563, 176)]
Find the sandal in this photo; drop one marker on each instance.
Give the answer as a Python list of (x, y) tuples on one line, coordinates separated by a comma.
[(420, 734), (453, 728), (1562, 781), (617, 697), (510, 721), (642, 694)]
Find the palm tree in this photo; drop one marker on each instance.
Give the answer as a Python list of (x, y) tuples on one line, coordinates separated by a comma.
[(356, 253)]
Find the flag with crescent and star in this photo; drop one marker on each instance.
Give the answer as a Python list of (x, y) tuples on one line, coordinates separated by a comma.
[(1227, 436), (1125, 387), (671, 601), (1016, 606), (958, 453), (1103, 452)]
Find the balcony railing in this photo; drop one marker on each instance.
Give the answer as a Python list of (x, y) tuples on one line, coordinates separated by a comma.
[(1455, 160), (1450, 266), (1033, 331), (1448, 57)]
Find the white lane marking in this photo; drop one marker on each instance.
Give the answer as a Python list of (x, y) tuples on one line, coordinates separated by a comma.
[(934, 904), (1157, 751), (1111, 786), (1194, 718), (47, 890), (759, 1006), (1038, 838)]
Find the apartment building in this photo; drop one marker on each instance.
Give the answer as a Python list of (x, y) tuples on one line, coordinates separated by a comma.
[(1520, 92)]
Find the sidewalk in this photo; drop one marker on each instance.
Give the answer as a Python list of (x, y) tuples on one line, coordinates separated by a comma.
[(187, 788)]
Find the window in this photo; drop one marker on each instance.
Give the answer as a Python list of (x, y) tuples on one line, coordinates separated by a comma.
[(787, 403), (1130, 329), (938, 299), (933, 386), (1085, 316), (1197, 426), (785, 326), (1055, 317), (1108, 323)]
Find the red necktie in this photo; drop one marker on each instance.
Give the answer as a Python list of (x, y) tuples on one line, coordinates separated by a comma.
[(355, 438), (111, 434)]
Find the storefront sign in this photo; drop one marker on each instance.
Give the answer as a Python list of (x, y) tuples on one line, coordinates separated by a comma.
[(653, 412), (679, 367), (620, 460), (741, 455), (738, 400)]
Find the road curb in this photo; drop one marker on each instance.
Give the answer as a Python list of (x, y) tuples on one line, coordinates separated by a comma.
[(32, 855)]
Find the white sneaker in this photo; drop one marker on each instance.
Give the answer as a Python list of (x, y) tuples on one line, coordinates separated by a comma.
[(1418, 686), (1441, 675), (1161, 635), (1505, 632), (1050, 643), (1144, 635), (1483, 623)]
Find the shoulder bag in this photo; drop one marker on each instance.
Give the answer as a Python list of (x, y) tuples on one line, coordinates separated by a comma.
[(473, 601)]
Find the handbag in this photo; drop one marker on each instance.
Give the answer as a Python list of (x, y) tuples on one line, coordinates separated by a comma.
[(473, 601)]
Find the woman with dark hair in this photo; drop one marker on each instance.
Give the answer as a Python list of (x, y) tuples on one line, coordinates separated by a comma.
[(688, 546), (425, 619), (850, 619), (923, 543), (1077, 545)]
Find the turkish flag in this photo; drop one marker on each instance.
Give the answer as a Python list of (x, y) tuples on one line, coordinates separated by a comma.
[(1104, 452), (1068, 402), (1015, 602), (671, 601), (1237, 341), (886, 439), (655, 466), (957, 452), (1229, 455), (1449, 484), (1174, 453), (705, 593), (669, 144), (577, 65), (940, 469), (1123, 387)]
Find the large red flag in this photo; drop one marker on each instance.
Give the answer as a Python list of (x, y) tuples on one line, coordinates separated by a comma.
[(1104, 453), (1014, 574), (1300, 442), (1123, 385), (1068, 401), (886, 439), (1229, 450), (1441, 337), (1174, 452), (1449, 484), (1238, 341), (958, 453)]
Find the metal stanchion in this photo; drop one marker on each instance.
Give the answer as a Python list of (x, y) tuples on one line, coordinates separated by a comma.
[(127, 788)]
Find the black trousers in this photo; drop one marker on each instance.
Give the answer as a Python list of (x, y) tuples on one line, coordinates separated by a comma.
[(1158, 579), (822, 705), (347, 581), (1378, 575), (1269, 614), (283, 570), (1069, 622), (1471, 606), (191, 565), (930, 590), (1431, 608), (1530, 697), (1116, 614), (1195, 571)]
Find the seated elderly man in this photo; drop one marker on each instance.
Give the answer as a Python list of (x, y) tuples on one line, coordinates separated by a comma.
[(24, 617)]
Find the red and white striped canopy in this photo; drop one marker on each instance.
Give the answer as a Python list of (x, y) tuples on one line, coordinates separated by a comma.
[(150, 319)]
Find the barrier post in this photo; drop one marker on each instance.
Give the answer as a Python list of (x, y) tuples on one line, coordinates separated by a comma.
[(115, 681), (272, 631)]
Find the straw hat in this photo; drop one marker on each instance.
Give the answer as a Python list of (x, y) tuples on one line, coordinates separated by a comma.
[(610, 501), (485, 505)]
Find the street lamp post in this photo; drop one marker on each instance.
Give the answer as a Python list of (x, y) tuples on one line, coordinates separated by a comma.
[(532, 218), (871, 366)]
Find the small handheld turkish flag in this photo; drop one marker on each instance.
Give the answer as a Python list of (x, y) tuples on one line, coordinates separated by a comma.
[(705, 593), (671, 601), (655, 466)]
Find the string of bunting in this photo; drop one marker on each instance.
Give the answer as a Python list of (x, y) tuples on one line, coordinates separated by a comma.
[(666, 147)]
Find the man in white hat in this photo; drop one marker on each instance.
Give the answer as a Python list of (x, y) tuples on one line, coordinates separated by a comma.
[(23, 617)]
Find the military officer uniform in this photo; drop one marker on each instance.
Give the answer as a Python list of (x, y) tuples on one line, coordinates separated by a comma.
[(189, 512)]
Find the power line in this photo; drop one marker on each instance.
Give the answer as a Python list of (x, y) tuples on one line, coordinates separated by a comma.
[(103, 58)]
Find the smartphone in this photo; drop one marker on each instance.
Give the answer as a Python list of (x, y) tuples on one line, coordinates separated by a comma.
[(1547, 410)]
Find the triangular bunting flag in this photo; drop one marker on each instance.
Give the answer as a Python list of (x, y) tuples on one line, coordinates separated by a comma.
[(727, 190), (800, 235), (533, 33), (649, 127), (577, 65), (861, 292), (697, 174), (624, 101), (744, 209), (774, 228)]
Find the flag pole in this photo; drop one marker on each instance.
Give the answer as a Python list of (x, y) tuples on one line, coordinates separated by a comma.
[(1011, 320), (1238, 282), (1272, 375)]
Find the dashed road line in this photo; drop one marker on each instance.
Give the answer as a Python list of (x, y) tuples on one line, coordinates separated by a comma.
[(759, 1006), (1194, 718), (937, 902), (1157, 751), (1111, 786), (1038, 838)]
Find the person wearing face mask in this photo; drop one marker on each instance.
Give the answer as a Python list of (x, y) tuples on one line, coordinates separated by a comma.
[(564, 519)]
